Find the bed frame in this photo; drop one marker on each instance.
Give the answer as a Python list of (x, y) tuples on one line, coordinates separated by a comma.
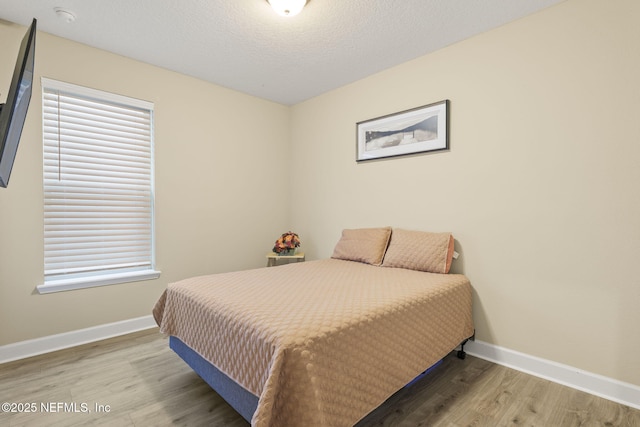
[(243, 401)]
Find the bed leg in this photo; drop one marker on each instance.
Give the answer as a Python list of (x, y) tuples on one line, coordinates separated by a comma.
[(461, 353)]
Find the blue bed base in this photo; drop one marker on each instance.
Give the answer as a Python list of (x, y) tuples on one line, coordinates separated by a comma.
[(243, 401), (240, 399)]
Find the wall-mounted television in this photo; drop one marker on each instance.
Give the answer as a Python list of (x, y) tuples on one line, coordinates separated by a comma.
[(14, 111)]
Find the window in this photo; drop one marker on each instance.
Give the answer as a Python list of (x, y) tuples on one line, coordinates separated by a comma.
[(98, 188)]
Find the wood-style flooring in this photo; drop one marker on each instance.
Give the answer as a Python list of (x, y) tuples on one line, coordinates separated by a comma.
[(136, 380)]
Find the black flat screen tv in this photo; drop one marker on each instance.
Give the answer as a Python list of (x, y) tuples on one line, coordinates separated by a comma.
[(14, 111)]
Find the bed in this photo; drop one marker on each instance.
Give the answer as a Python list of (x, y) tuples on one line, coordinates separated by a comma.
[(323, 342)]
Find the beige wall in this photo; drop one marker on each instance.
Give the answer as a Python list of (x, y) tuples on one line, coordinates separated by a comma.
[(540, 186), (216, 150)]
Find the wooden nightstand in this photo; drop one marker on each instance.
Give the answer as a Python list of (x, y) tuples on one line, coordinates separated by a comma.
[(273, 257)]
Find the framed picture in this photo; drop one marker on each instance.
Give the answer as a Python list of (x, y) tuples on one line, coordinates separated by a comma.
[(418, 130)]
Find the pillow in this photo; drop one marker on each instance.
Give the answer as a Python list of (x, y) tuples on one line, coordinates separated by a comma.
[(419, 250), (363, 245)]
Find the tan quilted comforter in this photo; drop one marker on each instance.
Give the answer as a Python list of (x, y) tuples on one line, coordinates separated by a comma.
[(322, 343)]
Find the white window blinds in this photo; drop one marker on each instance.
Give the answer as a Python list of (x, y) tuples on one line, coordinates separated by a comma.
[(98, 187)]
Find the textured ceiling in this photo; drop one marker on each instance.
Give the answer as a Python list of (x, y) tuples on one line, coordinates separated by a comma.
[(244, 45)]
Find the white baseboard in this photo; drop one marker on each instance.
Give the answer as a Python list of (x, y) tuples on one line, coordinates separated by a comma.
[(34, 347), (607, 388)]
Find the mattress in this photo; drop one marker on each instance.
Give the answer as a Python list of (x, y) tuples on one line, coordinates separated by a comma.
[(323, 342)]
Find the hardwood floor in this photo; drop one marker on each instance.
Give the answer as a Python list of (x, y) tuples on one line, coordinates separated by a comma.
[(136, 380)]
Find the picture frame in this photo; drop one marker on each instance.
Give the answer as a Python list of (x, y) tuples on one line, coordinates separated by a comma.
[(418, 130)]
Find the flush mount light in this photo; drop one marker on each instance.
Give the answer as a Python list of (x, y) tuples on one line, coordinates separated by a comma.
[(65, 14), (287, 7)]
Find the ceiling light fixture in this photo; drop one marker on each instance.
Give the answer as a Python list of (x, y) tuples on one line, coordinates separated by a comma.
[(287, 7), (65, 15)]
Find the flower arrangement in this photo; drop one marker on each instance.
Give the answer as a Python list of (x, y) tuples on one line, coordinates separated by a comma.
[(287, 243)]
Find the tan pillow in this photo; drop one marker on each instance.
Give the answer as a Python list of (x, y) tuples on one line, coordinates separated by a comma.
[(363, 245), (419, 250)]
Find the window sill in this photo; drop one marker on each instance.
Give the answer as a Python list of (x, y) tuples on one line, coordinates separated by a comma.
[(91, 282)]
